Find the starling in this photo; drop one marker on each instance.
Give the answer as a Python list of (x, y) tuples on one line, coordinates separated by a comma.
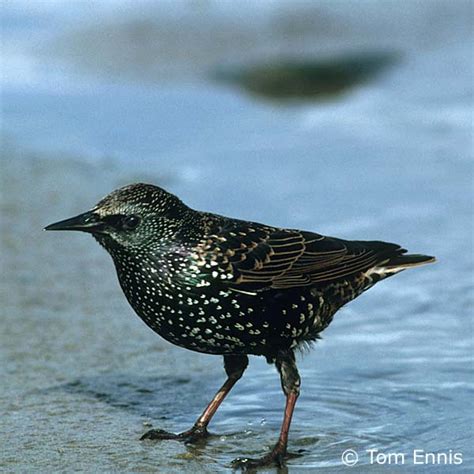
[(229, 287)]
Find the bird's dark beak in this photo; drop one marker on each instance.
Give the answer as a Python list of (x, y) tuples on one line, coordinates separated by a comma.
[(87, 222)]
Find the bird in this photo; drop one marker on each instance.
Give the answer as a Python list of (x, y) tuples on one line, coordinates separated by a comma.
[(230, 287)]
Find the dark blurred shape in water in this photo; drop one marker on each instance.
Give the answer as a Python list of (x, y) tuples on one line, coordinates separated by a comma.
[(156, 43), (290, 79)]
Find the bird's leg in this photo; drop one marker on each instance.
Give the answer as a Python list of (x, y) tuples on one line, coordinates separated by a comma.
[(290, 382), (235, 366)]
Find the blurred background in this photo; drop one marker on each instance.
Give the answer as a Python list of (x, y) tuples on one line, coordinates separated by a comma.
[(348, 118)]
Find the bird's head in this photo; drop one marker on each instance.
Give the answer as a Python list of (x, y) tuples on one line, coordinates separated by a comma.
[(137, 216)]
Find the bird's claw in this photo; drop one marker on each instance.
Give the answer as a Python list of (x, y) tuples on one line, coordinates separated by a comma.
[(159, 434), (190, 436), (194, 435), (275, 458)]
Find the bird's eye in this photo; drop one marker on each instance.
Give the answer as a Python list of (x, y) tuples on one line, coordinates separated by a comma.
[(130, 222)]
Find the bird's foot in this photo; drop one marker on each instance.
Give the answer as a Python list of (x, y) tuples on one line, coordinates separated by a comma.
[(189, 436), (274, 458)]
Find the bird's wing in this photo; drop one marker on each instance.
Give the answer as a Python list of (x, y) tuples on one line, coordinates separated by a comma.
[(250, 259), (327, 259)]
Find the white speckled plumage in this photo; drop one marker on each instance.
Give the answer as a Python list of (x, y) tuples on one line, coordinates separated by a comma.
[(218, 285)]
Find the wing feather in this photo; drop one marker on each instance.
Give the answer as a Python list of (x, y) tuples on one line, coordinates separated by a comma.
[(252, 257)]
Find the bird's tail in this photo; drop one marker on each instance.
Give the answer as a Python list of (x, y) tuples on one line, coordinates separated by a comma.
[(400, 262), (410, 260)]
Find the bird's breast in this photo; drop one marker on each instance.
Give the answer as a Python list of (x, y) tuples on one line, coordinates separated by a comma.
[(215, 319)]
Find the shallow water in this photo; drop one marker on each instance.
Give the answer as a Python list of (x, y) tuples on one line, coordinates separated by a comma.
[(83, 378)]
